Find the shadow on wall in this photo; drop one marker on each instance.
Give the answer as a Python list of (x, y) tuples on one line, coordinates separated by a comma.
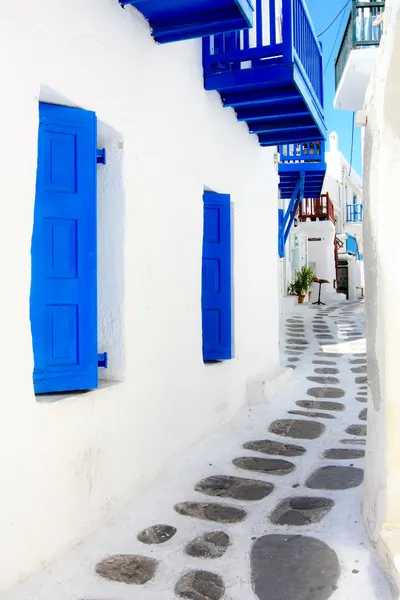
[(110, 252)]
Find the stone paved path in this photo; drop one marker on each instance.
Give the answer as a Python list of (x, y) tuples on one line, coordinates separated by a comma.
[(268, 507)]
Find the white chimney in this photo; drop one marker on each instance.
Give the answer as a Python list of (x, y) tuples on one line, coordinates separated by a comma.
[(333, 142)]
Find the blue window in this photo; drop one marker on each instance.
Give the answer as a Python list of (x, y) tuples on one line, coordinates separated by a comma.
[(216, 299), (63, 302)]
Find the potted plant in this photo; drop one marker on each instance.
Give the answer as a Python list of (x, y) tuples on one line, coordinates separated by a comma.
[(302, 283)]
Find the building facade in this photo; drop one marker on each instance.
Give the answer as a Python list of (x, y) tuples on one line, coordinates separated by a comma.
[(327, 232), (137, 237), (381, 164)]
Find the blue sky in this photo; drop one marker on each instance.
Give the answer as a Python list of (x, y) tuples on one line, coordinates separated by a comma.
[(322, 13)]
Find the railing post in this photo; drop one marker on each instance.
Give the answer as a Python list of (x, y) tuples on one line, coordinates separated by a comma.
[(354, 24), (287, 30), (272, 22), (259, 24)]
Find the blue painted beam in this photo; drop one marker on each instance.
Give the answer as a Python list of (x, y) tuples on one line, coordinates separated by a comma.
[(287, 137), (286, 111), (300, 125), (266, 97), (294, 208), (176, 20)]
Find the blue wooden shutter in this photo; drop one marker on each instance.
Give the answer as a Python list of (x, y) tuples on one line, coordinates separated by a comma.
[(63, 304), (216, 299)]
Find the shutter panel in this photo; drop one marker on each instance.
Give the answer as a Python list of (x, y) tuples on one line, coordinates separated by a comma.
[(216, 297), (63, 304)]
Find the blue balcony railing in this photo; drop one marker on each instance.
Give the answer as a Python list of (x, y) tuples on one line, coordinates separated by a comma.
[(272, 76), (309, 152), (354, 213), (175, 20), (361, 32), (307, 158)]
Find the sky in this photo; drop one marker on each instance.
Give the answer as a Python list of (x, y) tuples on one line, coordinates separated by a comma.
[(322, 13)]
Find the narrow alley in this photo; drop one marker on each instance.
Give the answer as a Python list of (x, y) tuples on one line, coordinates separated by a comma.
[(267, 507)]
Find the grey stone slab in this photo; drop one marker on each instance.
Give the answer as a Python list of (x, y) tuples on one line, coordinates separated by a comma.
[(293, 320), (272, 466), (298, 342), (293, 359), (328, 354), (323, 380), (335, 478), (302, 348), (156, 534), (293, 353), (362, 393), (200, 585), (275, 448), (226, 486), (291, 366), (293, 567), (358, 361), (326, 371), (360, 430), (295, 335), (312, 414), (359, 354), (353, 442), (361, 399), (209, 511), (361, 380), (302, 510), (209, 545), (362, 369), (324, 362), (324, 336), (127, 568), (343, 454), (363, 416), (320, 405), (325, 392), (297, 428)]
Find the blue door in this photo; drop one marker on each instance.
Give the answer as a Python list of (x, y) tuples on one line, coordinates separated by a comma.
[(63, 303), (216, 299)]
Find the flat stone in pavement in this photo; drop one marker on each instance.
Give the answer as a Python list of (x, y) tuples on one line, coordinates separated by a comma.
[(335, 478), (298, 429), (126, 568), (293, 567), (226, 486), (275, 448)]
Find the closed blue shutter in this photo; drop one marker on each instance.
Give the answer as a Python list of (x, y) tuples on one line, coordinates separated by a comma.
[(63, 303), (216, 299)]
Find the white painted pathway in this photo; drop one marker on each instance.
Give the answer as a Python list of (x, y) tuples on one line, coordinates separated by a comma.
[(73, 577)]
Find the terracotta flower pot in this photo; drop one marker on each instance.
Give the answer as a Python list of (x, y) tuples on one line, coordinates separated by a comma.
[(300, 299)]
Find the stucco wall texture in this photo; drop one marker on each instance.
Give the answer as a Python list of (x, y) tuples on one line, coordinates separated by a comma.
[(68, 465)]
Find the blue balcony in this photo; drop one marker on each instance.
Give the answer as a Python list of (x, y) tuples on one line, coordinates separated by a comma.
[(176, 20), (272, 76), (354, 213), (307, 158)]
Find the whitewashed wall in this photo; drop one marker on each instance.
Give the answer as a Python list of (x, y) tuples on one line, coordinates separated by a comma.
[(67, 466), (381, 218), (321, 254)]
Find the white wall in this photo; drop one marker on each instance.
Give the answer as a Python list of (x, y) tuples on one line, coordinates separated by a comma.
[(321, 253), (382, 214), (67, 466)]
